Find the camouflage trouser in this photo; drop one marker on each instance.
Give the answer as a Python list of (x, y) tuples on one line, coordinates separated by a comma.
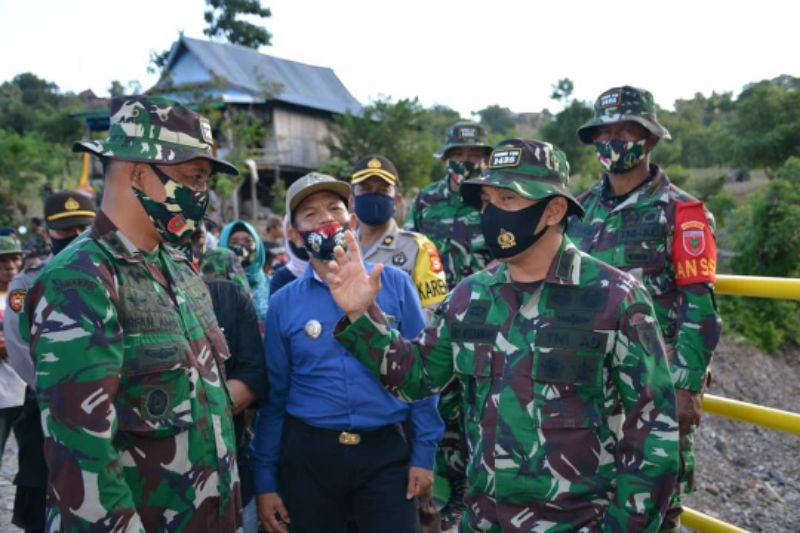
[(451, 453), (685, 484)]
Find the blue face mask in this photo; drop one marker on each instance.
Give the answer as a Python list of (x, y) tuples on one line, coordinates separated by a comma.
[(374, 208)]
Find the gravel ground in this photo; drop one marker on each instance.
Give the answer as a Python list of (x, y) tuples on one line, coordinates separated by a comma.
[(746, 475)]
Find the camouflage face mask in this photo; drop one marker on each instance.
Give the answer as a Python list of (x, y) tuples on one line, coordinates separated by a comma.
[(462, 170), (179, 214), (618, 156)]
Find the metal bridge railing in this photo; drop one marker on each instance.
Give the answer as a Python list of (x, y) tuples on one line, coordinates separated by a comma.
[(756, 287)]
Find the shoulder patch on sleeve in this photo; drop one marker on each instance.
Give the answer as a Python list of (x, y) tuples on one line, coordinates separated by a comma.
[(16, 299), (694, 249), (428, 274)]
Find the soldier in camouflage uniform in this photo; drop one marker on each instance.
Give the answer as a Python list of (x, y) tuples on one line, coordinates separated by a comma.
[(375, 195), (638, 221), (568, 403), (454, 227), (222, 263), (135, 410)]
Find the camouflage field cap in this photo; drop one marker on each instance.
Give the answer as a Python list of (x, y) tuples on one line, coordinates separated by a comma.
[(153, 129), (311, 183), (620, 104), (9, 246), (533, 169), (465, 134)]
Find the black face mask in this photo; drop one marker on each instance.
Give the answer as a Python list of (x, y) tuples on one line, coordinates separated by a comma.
[(508, 233), (298, 252), (56, 245)]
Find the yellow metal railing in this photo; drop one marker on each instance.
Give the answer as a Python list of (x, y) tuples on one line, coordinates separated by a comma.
[(752, 413), (702, 522), (756, 287)]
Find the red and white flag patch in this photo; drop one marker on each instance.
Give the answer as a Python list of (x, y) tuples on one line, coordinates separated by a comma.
[(694, 250)]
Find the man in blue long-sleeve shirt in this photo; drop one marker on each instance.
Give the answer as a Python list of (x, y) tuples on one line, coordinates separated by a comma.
[(328, 444)]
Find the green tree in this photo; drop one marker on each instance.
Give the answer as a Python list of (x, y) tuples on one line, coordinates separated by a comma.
[(499, 120), (116, 88), (223, 20), (562, 132), (562, 91), (393, 129), (766, 238), (767, 124), (29, 103)]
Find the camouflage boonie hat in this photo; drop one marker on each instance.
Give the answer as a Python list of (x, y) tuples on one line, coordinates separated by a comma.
[(222, 263), (9, 246), (621, 104), (465, 134), (153, 129), (532, 169)]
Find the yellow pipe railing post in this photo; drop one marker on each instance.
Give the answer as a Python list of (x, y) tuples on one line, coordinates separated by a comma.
[(754, 414), (758, 287), (706, 524)]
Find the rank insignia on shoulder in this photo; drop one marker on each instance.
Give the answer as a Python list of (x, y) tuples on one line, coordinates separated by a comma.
[(16, 299), (388, 240)]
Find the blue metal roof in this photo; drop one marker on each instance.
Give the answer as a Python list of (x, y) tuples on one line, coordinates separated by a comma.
[(248, 73)]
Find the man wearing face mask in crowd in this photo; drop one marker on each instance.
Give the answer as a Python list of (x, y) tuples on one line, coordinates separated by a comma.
[(438, 212), (568, 402), (243, 239), (640, 222), (137, 419), (66, 215), (328, 445), (375, 196)]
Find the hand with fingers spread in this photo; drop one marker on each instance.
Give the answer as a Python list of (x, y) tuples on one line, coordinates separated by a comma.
[(353, 289), (272, 513)]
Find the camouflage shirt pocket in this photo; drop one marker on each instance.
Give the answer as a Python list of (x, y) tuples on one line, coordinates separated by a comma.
[(567, 389), (474, 370), (155, 403)]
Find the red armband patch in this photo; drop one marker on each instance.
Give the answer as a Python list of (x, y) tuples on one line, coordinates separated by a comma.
[(433, 257), (694, 250)]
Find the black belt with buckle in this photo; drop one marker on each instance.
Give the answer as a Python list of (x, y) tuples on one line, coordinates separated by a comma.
[(350, 437)]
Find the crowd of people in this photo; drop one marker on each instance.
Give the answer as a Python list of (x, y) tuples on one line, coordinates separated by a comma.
[(542, 354)]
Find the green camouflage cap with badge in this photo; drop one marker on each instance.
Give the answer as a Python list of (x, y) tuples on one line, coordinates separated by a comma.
[(465, 134), (9, 246), (153, 129), (622, 104), (532, 169)]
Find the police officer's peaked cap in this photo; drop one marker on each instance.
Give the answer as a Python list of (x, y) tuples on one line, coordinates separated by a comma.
[(374, 166), (68, 209), (153, 129), (621, 104), (532, 169), (465, 135)]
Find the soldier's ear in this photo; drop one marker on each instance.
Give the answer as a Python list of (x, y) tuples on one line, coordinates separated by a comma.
[(136, 171), (556, 210), (651, 142)]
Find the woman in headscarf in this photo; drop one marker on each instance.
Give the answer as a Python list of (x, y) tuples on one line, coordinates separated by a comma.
[(243, 239)]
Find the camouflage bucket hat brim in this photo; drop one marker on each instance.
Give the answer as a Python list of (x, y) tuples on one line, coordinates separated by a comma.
[(622, 104), (532, 169), (465, 135), (150, 129)]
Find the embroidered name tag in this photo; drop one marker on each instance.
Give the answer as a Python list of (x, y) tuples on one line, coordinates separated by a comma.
[(507, 157)]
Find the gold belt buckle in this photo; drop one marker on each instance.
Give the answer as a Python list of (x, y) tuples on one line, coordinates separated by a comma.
[(349, 439)]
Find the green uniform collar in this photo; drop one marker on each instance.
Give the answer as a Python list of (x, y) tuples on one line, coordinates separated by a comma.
[(106, 233), (564, 270)]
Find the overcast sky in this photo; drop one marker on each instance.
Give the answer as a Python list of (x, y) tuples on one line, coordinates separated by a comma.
[(465, 54)]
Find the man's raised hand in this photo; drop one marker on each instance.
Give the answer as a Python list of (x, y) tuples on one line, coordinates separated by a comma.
[(351, 286)]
